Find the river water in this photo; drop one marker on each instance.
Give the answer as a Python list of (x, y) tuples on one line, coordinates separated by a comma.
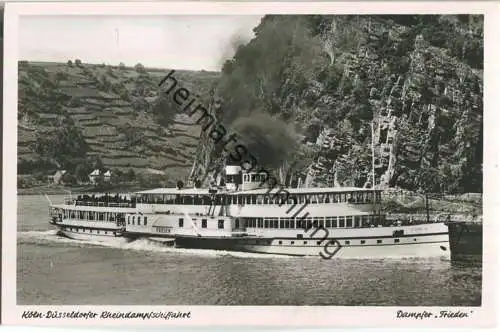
[(57, 271)]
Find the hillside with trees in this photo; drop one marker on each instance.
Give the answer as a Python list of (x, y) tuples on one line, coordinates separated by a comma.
[(78, 117)]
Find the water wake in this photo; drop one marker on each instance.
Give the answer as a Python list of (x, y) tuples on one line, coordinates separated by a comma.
[(53, 238), (149, 245)]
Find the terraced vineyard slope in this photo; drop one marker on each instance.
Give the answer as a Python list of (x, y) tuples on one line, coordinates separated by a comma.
[(78, 117)]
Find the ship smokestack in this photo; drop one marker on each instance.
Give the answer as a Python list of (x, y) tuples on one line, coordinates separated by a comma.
[(233, 177)]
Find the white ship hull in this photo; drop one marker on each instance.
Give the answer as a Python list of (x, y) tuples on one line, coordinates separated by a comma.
[(416, 246), (400, 250), (92, 231), (101, 238)]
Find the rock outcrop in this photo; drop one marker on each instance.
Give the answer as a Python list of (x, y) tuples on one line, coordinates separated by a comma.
[(418, 79)]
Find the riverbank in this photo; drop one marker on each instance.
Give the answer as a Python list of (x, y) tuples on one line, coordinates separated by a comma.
[(405, 205), (65, 190)]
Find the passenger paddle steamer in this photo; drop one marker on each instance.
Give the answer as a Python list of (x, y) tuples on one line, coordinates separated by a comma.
[(245, 215)]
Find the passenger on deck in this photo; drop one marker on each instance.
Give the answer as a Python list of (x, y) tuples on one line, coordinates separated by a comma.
[(350, 199)]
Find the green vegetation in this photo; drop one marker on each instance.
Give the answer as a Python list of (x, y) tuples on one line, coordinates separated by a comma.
[(78, 117)]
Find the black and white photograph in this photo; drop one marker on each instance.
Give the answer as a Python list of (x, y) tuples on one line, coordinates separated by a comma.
[(247, 158)]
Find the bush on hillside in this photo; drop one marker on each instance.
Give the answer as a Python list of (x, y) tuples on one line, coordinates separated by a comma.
[(35, 165), (165, 109), (133, 135), (63, 144), (139, 68), (60, 76), (26, 181), (130, 175)]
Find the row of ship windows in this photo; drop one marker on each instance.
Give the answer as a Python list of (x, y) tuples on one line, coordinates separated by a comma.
[(94, 216), (220, 223), (286, 223), (346, 242), (266, 198), (84, 230), (168, 230), (289, 223), (353, 198), (103, 216), (316, 222), (131, 220)]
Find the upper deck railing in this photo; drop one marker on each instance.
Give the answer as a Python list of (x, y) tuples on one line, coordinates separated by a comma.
[(104, 204), (260, 198), (101, 201)]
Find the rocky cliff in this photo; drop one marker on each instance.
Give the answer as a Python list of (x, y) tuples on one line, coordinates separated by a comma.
[(417, 79)]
